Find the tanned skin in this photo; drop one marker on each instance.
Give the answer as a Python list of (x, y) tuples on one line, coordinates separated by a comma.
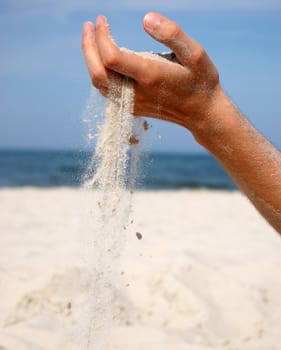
[(189, 93)]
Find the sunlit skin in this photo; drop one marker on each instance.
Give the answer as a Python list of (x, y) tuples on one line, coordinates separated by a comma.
[(189, 93)]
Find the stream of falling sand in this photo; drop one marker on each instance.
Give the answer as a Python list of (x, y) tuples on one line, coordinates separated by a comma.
[(112, 171)]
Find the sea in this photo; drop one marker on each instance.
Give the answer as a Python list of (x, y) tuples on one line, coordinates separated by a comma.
[(158, 171)]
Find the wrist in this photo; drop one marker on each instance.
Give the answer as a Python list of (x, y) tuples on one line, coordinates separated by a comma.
[(219, 123)]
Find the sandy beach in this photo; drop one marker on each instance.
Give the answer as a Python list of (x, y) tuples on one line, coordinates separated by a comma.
[(206, 274)]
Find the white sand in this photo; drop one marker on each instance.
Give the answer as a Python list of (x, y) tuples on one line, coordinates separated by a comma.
[(206, 274)]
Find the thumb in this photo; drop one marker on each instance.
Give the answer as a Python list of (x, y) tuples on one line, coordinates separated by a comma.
[(170, 34)]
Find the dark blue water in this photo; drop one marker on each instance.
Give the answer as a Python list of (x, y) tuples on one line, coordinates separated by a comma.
[(65, 168)]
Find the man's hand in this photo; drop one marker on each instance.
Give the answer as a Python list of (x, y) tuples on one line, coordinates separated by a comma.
[(181, 93), (188, 93)]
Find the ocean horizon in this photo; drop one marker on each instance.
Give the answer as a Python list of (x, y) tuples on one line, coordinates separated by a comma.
[(158, 170)]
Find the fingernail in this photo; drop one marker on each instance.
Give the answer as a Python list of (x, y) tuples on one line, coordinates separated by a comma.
[(152, 20), (101, 21), (87, 27)]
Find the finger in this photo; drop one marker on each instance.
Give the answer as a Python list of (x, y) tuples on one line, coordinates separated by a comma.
[(129, 63), (113, 57), (96, 69), (170, 34)]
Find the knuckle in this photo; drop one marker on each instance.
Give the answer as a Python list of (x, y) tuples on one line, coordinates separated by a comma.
[(98, 82), (198, 55), (173, 32), (149, 81), (111, 59)]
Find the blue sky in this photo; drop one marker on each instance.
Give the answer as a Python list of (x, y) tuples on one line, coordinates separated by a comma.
[(44, 82)]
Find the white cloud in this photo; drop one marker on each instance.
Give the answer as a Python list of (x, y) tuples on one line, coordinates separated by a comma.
[(64, 7)]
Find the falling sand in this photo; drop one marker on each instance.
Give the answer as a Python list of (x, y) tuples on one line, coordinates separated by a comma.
[(113, 172)]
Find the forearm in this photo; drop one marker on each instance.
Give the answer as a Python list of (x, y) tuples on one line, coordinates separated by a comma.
[(247, 156)]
